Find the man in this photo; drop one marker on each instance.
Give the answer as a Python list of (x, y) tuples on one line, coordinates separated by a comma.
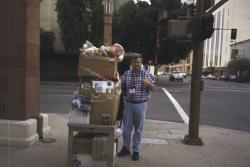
[(137, 85)]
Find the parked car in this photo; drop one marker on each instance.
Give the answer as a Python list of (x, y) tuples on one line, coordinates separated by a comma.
[(176, 76), (160, 73), (184, 74), (210, 76), (223, 78), (232, 77)]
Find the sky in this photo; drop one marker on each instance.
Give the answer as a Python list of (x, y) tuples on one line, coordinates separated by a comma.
[(144, 0)]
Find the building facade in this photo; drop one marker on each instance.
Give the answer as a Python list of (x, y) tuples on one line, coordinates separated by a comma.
[(241, 49), (217, 51)]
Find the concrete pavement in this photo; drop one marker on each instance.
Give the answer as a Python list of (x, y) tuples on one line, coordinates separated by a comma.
[(222, 148)]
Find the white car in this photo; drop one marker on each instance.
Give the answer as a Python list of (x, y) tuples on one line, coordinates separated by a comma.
[(160, 72), (176, 76), (184, 74), (232, 77), (210, 76)]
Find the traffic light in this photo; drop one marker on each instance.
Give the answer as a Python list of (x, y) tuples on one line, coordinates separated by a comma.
[(206, 26), (233, 34)]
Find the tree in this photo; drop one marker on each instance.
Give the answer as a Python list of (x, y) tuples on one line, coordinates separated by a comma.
[(96, 27), (170, 51), (80, 20), (238, 65), (169, 5), (135, 27), (47, 39)]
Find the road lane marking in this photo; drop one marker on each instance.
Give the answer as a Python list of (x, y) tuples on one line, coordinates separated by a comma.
[(177, 106)]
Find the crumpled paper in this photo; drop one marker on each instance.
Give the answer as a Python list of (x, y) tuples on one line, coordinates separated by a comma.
[(115, 51)]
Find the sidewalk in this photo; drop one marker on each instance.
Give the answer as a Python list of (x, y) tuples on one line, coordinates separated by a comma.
[(222, 148)]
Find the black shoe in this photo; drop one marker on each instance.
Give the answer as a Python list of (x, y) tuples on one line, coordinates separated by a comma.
[(123, 152), (135, 156)]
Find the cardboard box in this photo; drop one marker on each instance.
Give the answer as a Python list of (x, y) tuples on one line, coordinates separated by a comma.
[(104, 111), (116, 91), (90, 66)]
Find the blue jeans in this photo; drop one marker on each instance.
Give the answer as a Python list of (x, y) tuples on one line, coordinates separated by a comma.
[(134, 116)]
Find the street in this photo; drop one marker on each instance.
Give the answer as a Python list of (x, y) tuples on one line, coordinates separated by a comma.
[(223, 104)]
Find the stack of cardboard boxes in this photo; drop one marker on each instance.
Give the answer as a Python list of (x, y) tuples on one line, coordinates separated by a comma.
[(104, 94), (100, 82)]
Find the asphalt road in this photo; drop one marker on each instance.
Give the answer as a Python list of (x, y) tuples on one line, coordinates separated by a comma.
[(223, 104), (56, 97)]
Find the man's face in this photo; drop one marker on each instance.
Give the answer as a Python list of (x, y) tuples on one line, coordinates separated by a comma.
[(136, 64)]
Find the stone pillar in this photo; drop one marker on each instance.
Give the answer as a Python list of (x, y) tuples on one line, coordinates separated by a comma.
[(19, 59), (107, 36)]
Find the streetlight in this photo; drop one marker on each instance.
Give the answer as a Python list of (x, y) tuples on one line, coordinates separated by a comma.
[(108, 12)]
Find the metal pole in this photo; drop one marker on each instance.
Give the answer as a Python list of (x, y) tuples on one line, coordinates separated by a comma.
[(216, 6), (157, 50), (193, 135)]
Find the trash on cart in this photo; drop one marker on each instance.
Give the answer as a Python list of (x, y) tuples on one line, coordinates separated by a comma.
[(101, 61), (80, 108), (115, 51)]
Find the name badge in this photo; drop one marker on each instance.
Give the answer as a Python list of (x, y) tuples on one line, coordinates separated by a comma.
[(132, 90)]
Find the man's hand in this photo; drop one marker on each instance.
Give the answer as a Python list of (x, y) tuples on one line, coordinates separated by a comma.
[(148, 84)]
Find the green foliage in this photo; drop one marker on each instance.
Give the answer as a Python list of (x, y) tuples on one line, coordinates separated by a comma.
[(96, 33), (80, 20), (169, 5), (172, 51), (240, 65), (135, 27), (47, 39)]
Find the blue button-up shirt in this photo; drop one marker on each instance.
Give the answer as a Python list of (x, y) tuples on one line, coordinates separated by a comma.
[(134, 81)]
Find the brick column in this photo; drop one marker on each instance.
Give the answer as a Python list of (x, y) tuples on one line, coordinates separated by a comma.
[(19, 59), (107, 36)]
